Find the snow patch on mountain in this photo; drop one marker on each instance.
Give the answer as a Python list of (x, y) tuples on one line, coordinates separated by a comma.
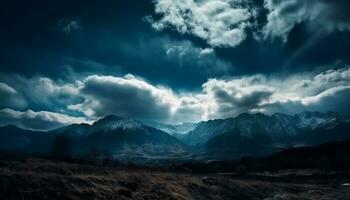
[(111, 123), (313, 120)]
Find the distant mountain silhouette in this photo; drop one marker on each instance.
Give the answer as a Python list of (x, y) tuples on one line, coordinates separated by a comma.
[(245, 135), (13, 138), (111, 133)]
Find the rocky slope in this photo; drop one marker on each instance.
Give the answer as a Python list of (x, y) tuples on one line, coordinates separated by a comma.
[(278, 128)]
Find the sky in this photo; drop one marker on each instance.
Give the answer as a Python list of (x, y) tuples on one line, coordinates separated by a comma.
[(64, 62)]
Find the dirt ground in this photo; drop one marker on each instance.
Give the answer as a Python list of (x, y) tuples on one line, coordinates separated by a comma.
[(36, 178)]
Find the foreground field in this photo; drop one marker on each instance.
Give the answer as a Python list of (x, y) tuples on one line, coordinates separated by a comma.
[(38, 178)]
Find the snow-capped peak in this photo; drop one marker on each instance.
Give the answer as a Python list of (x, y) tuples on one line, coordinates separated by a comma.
[(111, 123), (126, 124)]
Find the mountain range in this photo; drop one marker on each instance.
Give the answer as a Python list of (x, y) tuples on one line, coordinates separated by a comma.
[(139, 141)]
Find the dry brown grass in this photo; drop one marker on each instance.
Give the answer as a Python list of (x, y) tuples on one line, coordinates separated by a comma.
[(34, 178)]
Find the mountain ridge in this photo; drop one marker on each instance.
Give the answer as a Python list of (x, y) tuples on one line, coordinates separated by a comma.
[(230, 138), (277, 126), (111, 133)]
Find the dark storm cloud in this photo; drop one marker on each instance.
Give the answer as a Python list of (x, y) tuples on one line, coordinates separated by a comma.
[(237, 95), (127, 97), (231, 105)]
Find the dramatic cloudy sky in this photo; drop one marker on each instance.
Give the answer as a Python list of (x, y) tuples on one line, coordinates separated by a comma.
[(171, 61)]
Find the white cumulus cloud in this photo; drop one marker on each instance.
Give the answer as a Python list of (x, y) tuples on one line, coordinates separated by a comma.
[(221, 23), (41, 120), (318, 15), (134, 97)]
